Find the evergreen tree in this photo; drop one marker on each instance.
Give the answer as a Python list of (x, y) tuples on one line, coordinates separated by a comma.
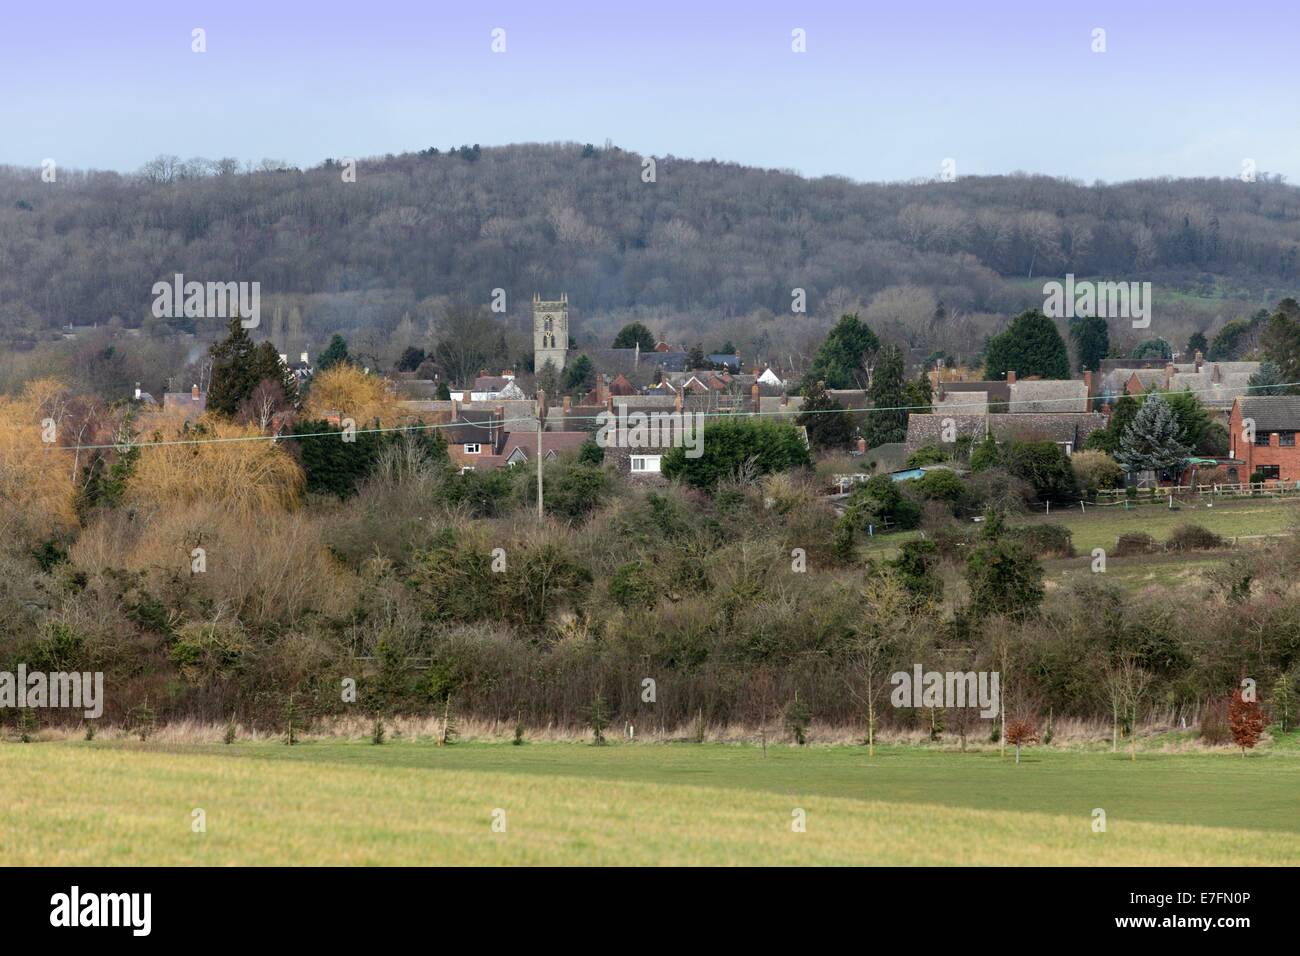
[(1197, 343), (238, 366), (1154, 348), (580, 375), (633, 334), (1091, 337), (336, 353), (411, 359), (828, 424), (1151, 442), (1031, 345), (1281, 341), (841, 361), (887, 419), (1267, 380)]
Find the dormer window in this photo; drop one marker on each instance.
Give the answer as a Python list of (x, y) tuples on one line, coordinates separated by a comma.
[(472, 448)]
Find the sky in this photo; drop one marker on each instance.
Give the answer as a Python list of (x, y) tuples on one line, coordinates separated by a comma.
[(885, 91)]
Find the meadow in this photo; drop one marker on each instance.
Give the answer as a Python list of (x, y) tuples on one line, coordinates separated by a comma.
[(348, 802)]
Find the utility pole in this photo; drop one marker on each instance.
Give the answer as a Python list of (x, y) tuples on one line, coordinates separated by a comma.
[(541, 417)]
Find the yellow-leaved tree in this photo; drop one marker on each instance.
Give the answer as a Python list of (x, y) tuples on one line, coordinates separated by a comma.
[(234, 466), (348, 392), (36, 486)]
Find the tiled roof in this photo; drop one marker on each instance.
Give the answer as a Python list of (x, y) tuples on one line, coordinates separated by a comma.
[(1273, 412), (1048, 396)]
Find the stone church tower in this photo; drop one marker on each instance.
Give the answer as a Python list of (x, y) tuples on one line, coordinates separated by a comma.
[(550, 331)]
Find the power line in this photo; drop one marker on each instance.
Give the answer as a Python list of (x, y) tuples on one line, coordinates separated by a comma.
[(494, 423)]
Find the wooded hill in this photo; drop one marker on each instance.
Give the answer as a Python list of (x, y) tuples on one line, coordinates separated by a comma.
[(709, 251)]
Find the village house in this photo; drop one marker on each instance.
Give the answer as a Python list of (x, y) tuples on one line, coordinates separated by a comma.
[(189, 405), (1273, 455)]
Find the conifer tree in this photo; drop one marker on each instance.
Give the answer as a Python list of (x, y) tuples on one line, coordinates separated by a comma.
[(887, 421), (1152, 442)]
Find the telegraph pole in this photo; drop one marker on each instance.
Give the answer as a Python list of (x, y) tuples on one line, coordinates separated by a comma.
[(541, 415)]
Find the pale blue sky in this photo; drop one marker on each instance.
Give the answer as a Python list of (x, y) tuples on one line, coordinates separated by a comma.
[(886, 91)]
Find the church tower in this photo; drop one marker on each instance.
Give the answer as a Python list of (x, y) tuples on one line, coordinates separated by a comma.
[(550, 331)]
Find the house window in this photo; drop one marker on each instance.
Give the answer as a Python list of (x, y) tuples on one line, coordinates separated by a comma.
[(467, 468), (646, 464), (1261, 438), (1269, 472), (1286, 439), (472, 448)]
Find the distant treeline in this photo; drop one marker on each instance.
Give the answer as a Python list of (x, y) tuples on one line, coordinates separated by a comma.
[(707, 250)]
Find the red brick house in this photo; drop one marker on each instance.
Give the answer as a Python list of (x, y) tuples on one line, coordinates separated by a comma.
[(1276, 421)]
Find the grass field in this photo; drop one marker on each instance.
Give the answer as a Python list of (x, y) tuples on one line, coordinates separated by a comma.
[(410, 802), (1100, 527)]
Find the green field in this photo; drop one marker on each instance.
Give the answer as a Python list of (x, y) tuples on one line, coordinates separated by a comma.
[(1244, 518), (411, 802)]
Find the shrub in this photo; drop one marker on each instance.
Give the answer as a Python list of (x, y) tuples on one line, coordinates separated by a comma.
[(1044, 540), (880, 501), (633, 586), (797, 719), (1044, 465), (942, 485), (926, 455), (760, 446), (1192, 537), (1135, 542), (1096, 469), (996, 488), (1214, 722)]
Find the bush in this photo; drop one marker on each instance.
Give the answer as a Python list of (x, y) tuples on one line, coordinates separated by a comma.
[(1044, 540), (1045, 466), (926, 455), (942, 485), (997, 489), (1192, 537), (1096, 470), (755, 445), (1214, 722), (880, 501), (1135, 542), (632, 586)]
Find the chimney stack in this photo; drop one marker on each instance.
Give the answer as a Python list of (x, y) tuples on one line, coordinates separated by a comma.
[(1200, 359), (568, 405), (1011, 377), (785, 399), (194, 393), (753, 396), (862, 445), (1087, 381), (1169, 374), (677, 398)]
